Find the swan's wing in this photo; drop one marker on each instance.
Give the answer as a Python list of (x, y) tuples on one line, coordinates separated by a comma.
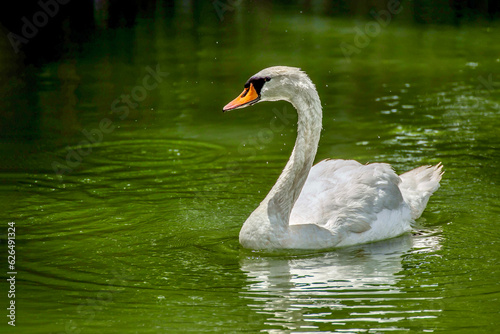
[(346, 195)]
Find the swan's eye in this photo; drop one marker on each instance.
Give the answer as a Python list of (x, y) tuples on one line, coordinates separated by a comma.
[(258, 83)]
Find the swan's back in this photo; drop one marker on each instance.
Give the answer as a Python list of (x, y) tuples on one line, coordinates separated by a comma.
[(348, 193), (350, 199)]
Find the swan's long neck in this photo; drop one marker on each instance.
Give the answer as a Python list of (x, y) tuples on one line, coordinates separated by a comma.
[(287, 189)]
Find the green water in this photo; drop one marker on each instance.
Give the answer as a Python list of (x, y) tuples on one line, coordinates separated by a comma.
[(138, 232)]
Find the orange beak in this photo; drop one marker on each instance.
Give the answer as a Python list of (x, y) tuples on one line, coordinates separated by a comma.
[(245, 99)]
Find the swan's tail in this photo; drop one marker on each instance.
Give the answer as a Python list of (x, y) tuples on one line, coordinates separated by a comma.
[(418, 185)]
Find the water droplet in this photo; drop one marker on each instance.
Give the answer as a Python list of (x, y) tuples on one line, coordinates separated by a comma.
[(472, 64)]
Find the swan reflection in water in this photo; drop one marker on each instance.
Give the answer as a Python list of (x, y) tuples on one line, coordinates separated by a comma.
[(355, 286)]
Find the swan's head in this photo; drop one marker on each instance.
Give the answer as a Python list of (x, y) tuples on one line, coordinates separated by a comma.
[(271, 84)]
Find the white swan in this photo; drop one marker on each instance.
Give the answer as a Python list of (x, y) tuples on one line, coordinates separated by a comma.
[(336, 203)]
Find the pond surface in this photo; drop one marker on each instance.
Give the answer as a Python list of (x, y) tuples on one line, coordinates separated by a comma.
[(128, 185)]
